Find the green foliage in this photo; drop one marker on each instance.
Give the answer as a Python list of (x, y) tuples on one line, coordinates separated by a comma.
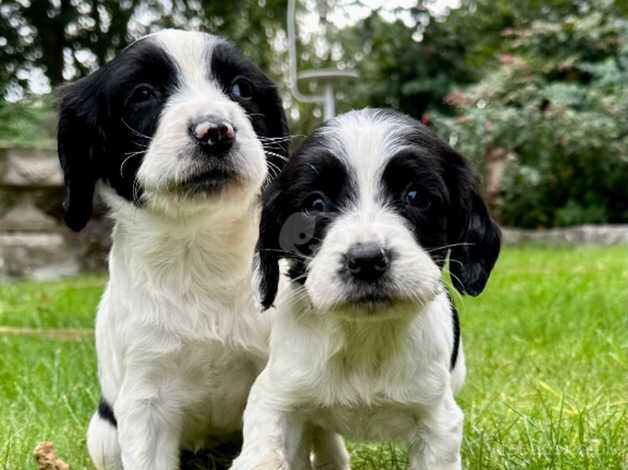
[(557, 106), (543, 346), (399, 71), (27, 123)]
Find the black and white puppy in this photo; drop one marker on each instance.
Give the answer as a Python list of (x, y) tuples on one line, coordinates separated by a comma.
[(176, 130), (365, 339)]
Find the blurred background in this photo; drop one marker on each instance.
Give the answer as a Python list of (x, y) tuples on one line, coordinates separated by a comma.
[(533, 92)]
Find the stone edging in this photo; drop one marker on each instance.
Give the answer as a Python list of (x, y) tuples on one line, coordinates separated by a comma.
[(578, 235)]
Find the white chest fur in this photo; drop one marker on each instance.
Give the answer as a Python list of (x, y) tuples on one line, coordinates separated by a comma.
[(178, 320), (387, 379)]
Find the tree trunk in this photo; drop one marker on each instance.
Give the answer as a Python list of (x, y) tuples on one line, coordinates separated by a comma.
[(50, 34)]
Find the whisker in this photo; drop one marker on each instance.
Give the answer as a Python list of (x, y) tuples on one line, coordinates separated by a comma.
[(451, 245), (273, 167), (136, 132), (268, 152), (274, 146), (136, 190), (129, 156)]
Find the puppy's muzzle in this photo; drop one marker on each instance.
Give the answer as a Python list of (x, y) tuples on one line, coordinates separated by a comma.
[(214, 137)]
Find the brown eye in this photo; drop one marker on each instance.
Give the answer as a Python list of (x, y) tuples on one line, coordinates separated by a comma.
[(241, 88), (413, 196)]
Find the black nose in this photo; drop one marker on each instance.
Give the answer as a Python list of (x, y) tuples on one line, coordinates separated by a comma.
[(367, 261), (215, 136)]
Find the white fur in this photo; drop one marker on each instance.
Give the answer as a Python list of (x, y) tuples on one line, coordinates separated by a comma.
[(178, 336), (169, 160), (179, 341), (382, 374)]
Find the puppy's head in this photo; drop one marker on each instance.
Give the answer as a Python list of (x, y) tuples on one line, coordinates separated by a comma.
[(367, 211), (176, 121)]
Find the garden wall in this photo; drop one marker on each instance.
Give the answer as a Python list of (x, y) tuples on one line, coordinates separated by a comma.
[(34, 241)]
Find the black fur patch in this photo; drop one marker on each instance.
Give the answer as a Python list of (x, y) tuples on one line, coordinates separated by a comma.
[(106, 412), (108, 118), (457, 223), (286, 229), (423, 172), (456, 331), (454, 221), (263, 107), (106, 123)]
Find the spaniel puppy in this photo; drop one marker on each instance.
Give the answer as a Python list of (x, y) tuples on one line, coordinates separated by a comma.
[(365, 339), (178, 130)]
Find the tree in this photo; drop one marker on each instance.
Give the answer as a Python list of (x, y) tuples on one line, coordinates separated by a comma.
[(62, 37), (410, 68), (68, 38)]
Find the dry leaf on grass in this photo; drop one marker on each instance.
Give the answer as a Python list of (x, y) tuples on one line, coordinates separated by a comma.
[(47, 459)]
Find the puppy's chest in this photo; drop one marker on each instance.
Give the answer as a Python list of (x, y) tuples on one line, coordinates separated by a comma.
[(216, 381), (195, 313), (367, 405), (202, 351), (386, 421), (375, 380)]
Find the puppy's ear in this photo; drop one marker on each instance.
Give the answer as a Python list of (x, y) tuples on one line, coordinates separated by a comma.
[(476, 239), (78, 145), (269, 251)]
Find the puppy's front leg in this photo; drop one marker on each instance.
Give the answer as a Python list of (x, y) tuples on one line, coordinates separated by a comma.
[(149, 427), (273, 436), (436, 443)]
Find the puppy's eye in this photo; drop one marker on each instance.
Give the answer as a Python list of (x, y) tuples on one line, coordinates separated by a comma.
[(315, 203), (241, 88), (141, 94), (413, 196)]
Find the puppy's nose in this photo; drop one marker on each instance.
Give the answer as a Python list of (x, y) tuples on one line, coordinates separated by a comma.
[(367, 261), (217, 136)]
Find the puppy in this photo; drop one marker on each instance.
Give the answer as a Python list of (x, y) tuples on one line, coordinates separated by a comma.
[(365, 339), (176, 130)]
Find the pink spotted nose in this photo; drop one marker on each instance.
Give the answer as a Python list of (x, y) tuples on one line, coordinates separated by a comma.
[(214, 136)]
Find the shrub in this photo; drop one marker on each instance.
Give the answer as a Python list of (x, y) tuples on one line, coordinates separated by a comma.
[(557, 108)]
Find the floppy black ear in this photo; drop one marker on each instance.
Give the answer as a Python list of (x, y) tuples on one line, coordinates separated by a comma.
[(269, 251), (476, 239), (78, 142)]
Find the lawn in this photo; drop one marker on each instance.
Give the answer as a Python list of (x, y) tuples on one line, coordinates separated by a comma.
[(545, 346)]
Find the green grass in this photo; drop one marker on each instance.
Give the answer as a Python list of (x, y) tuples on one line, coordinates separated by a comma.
[(545, 346), (64, 304)]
